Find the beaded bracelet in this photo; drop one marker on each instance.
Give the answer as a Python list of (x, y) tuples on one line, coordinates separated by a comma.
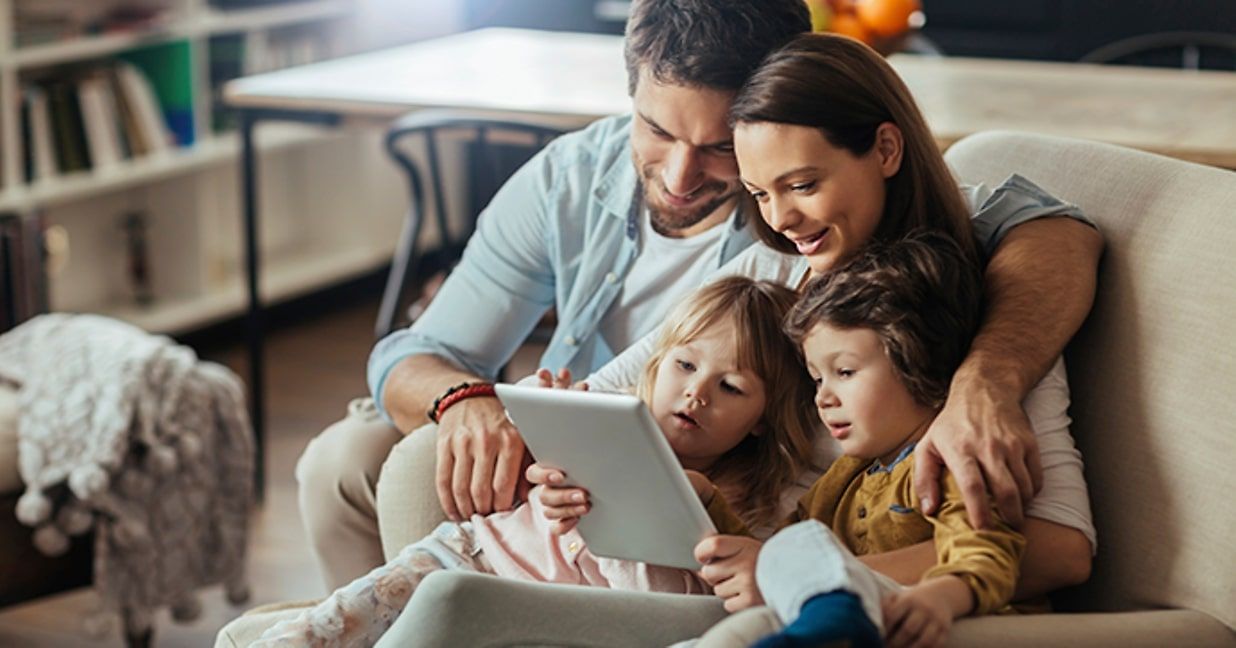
[(457, 393)]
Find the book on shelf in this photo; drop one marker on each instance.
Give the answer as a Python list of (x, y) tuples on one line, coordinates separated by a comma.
[(167, 67), (37, 137), (99, 119), (23, 289), (90, 119), (148, 130), (38, 22)]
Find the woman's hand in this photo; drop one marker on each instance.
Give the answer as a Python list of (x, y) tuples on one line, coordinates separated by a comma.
[(564, 505), (729, 567), (987, 443)]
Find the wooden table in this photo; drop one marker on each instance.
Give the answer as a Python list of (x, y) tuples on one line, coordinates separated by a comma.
[(576, 78)]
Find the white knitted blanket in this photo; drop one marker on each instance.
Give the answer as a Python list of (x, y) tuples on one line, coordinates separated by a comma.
[(130, 436)]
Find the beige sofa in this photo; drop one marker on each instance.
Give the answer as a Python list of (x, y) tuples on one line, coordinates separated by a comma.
[(1153, 374)]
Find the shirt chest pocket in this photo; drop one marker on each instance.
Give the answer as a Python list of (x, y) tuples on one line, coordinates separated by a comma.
[(896, 526)]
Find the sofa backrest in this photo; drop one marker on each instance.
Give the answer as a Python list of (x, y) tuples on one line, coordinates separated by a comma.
[(1153, 370)]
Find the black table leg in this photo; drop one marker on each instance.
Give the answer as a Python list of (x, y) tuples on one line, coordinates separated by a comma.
[(249, 119), (256, 313)]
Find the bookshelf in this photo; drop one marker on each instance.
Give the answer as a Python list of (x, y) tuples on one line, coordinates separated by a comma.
[(335, 213)]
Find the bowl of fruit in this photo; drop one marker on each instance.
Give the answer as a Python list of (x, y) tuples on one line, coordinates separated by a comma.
[(883, 24)]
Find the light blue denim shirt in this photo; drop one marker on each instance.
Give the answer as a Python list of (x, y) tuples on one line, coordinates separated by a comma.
[(562, 232)]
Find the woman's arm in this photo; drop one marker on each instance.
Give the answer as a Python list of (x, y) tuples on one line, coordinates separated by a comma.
[(1056, 556), (1040, 286)]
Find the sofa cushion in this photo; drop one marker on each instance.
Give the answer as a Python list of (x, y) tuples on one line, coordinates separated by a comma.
[(1152, 370), (10, 480)]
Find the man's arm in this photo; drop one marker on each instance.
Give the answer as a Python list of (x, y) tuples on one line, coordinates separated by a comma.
[(1040, 286), (480, 453), (503, 284)]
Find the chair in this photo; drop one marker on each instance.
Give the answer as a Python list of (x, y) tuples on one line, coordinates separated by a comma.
[(1188, 50), (494, 149)]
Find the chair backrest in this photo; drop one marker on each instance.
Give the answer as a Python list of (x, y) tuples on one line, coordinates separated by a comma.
[(492, 150), (1153, 370), (1188, 50)]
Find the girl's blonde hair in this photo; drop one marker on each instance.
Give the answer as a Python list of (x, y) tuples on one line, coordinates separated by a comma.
[(752, 475)]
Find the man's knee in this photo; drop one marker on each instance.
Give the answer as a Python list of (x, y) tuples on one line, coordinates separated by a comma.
[(407, 499), (348, 455)]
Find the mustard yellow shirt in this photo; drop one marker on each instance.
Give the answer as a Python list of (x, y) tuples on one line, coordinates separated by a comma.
[(874, 509)]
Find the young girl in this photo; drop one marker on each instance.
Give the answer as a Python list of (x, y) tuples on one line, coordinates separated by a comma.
[(882, 336), (725, 386)]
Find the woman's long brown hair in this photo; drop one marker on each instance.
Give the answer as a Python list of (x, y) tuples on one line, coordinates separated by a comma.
[(846, 90)]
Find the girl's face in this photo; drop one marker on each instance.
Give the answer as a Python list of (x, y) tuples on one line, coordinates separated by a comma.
[(858, 395), (703, 403), (824, 199)]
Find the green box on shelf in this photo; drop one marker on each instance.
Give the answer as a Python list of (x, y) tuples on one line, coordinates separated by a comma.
[(169, 66)]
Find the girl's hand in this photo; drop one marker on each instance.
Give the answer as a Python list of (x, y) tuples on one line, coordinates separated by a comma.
[(546, 378), (729, 566), (564, 505), (920, 616), (702, 485)]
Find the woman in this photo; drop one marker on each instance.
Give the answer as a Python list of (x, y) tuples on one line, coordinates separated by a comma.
[(835, 154)]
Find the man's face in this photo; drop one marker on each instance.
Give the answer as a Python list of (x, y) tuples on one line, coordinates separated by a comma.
[(683, 149)]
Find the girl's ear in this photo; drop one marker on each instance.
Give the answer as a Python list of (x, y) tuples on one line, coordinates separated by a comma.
[(889, 145), (758, 430)]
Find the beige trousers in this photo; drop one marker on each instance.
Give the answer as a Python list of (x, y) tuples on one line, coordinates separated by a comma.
[(338, 479)]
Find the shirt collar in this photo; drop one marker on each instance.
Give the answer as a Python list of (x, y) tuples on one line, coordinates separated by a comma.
[(876, 467)]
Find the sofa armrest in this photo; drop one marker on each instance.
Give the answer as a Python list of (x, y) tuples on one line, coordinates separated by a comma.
[(408, 507), (1148, 629)]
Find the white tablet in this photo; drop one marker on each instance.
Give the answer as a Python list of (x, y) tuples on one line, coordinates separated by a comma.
[(643, 506)]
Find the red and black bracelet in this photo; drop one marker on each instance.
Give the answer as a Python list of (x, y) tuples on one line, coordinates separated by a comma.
[(462, 391)]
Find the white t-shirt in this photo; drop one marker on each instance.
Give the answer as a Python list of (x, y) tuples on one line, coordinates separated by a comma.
[(664, 270)]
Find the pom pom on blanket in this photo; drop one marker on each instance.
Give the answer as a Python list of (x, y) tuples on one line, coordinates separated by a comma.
[(33, 508), (50, 541), (88, 482)]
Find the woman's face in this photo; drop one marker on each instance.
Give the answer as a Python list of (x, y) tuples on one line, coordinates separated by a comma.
[(824, 199)]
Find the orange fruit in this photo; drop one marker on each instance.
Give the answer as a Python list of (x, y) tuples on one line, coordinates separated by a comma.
[(886, 17), (848, 24)]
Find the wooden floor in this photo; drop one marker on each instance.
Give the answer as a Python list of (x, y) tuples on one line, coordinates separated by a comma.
[(315, 367)]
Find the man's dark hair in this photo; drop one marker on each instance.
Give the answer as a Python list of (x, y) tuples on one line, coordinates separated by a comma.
[(921, 294), (715, 44)]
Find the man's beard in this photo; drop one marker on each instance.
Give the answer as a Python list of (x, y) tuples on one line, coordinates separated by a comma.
[(667, 221)]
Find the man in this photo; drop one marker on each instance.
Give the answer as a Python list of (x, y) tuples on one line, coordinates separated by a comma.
[(609, 226)]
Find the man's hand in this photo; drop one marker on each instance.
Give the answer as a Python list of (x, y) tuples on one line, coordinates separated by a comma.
[(480, 459), (563, 504), (729, 567), (987, 443), (920, 616)]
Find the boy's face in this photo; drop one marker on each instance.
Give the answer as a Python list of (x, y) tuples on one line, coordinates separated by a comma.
[(859, 398), (683, 149), (702, 401)]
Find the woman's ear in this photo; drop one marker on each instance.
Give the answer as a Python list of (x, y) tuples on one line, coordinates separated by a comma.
[(889, 146), (758, 430)]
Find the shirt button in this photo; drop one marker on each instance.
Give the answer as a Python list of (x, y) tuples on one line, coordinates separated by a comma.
[(573, 547), (569, 340), (862, 512), (611, 278)]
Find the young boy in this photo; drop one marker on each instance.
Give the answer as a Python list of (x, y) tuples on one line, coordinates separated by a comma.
[(882, 337)]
